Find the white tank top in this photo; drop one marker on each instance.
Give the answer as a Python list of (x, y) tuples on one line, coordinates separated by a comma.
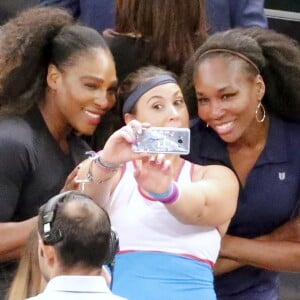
[(148, 225)]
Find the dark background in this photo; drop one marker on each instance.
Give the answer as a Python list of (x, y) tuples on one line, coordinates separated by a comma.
[(289, 27)]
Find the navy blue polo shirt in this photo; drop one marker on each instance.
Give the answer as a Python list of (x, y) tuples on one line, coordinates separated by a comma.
[(267, 200)]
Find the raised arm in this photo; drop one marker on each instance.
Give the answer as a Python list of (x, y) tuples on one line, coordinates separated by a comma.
[(210, 200), (100, 174)]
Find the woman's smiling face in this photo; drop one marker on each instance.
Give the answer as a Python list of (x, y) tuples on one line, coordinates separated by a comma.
[(85, 89), (227, 96)]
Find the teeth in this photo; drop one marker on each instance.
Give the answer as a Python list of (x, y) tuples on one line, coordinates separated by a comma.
[(92, 114), (224, 126)]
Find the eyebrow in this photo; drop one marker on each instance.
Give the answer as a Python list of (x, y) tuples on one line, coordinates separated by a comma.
[(101, 80), (221, 90), (93, 77), (162, 97)]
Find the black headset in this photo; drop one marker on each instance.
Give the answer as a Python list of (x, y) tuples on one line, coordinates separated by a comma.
[(51, 236)]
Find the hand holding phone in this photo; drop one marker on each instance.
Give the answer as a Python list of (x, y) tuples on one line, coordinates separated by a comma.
[(168, 140)]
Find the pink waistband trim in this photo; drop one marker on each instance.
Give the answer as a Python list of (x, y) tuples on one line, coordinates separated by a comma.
[(207, 261)]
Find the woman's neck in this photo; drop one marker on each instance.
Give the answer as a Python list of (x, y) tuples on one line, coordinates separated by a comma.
[(56, 124), (255, 137)]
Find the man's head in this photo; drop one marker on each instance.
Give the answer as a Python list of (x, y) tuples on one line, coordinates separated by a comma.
[(75, 234)]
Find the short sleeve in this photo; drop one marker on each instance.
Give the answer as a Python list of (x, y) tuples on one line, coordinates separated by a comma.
[(14, 170)]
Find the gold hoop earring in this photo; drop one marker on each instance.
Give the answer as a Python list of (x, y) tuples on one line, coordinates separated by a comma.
[(260, 107)]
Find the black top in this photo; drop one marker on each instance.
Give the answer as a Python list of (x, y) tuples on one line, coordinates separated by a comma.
[(129, 53), (33, 168)]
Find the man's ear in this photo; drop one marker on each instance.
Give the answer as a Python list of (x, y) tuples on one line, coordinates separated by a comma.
[(128, 117), (53, 76), (47, 252), (40, 248), (261, 88)]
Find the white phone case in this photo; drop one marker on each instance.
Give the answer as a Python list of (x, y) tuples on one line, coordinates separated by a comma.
[(170, 140)]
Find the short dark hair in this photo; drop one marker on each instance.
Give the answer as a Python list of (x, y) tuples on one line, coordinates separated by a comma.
[(85, 228)]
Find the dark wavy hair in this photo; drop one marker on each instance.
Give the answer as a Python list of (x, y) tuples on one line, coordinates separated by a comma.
[(173, 28), (276, 55), (28, 44)]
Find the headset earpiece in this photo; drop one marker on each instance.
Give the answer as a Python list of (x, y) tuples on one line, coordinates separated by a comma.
[(50, 236), (113, 247)]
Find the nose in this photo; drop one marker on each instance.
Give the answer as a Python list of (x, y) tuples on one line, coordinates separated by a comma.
[(101, 100), (216, 110), (174, 113)]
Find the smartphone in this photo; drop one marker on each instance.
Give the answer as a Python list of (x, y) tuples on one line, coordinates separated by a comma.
[(168, 140)]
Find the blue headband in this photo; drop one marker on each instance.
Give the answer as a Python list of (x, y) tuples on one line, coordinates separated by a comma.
[(143, 88)]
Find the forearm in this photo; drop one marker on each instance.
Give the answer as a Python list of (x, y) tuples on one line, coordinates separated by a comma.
[(205, 203), (272, 255), (96, 182), (102, 171), (13, 237), (225, 265)]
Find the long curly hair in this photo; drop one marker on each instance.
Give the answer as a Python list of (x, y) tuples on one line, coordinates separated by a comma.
[(277, 57), (23, 59), (28, 44)]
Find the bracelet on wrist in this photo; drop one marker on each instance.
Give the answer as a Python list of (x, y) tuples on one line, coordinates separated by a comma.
[(90, 177), (107, 166), (161, 196), (168, 197)]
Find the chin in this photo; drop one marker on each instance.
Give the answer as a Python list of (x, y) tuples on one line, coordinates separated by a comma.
[(229, 139), (86, 131)]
